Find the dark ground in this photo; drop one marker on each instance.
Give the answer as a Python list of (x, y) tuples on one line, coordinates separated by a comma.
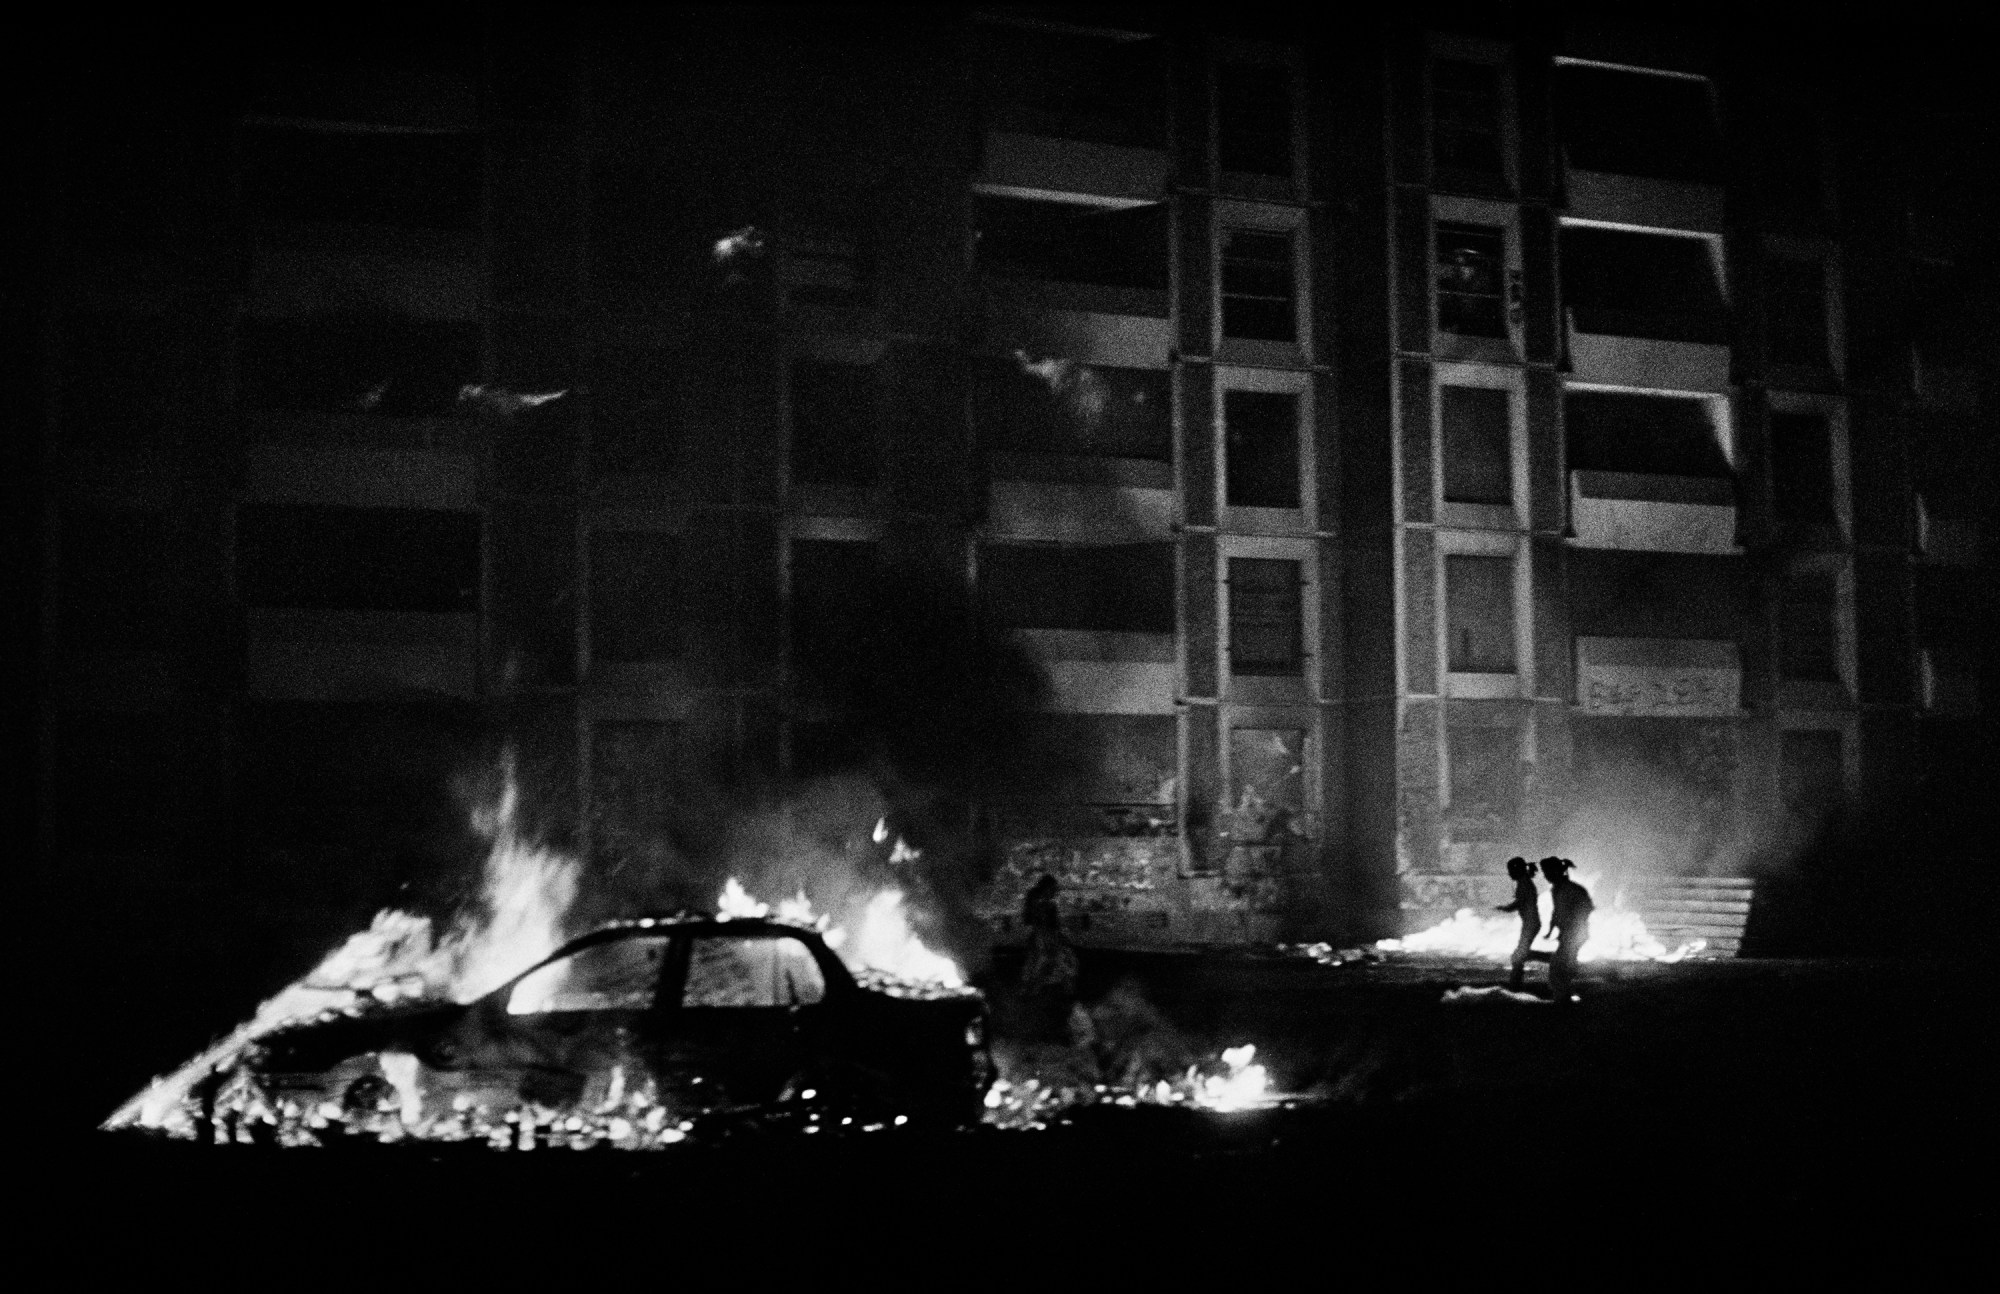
[(1707, 1103)]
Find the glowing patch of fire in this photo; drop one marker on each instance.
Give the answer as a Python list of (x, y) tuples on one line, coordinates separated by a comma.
[(881, 940), (1616, 934)]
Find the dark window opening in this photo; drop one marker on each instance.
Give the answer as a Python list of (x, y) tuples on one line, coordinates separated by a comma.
[(1951, 328), (1068, 242), (1616, 431), (1810, 776), (359, 559), (1630, 123), (1809, 629), (1642, 285), (1802, 468), (118, 784), (1266, 618), (1262, 448), (358, 362), (115, 378), (1267, 772), (1795, 310), (1253, 111), (1257, 286), (1484, 767), (1119, 588), (112, 567), (1478, 449), (407, 180), (1117, 778), (634, 596), (1103, 89), (834, 616), (1479, 614), (834, 423), (1059, 406), (1466, 116), (1471, 280), (828, 267), (633, 418)]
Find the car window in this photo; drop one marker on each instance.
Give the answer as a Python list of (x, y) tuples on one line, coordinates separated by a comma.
[(756, 971), (622, 975)]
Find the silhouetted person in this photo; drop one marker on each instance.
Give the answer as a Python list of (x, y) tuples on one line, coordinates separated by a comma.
[(1569, 920), (1048, 976), (1527, 902)]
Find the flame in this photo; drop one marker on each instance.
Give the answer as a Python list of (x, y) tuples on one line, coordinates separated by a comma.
[(1616, 934), (881, 939), (525, 896), (1241, 1084)]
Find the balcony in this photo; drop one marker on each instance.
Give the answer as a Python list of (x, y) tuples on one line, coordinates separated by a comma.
[(1608, 347), (1048, 168), (1645, 201), (1649, 513), (362, 478), (1098, 672), (303, 655), (1658, 677)]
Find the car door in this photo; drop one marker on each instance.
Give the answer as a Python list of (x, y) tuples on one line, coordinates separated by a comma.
[(576, 1017), (748, 1017)]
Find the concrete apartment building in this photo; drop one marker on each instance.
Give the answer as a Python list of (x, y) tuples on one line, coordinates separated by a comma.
[(1399, 447)]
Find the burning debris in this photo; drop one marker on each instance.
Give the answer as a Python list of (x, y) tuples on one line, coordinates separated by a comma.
[(1231, 1082), (1617, 933)]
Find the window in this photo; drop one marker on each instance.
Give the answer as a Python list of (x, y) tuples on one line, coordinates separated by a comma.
[(1636, 123), (833, 612), (1809, 628), (1119, 588), (362, 559), (1261, 443), (1103, 88), (1477, 431), (1120, 773), (1466, 130), (1479, 615), (1253, 116), (1266, 615), (113, 564), (1043, 404), (1483, 764), (1802, 468), (757, 971), (1069, 242), (408, 179), (834, 424), (1620, 431), (634, 596), (826, 267), (1642, 285), (1267, 771), (1795, 311), (372, 362), (634, 420), (1471, 279), (621, 975), (1810, 776), (1258, 290)]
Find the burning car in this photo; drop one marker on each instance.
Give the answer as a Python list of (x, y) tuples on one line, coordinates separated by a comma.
[(692, 1017)]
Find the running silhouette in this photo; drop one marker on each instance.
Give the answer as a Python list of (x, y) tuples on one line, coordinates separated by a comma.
[(1527, 902), (1569, 919)]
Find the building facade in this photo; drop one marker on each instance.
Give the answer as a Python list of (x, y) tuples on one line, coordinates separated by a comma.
[(1396, 448)]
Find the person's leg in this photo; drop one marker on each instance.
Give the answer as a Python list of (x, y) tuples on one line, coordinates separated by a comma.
[(1561, 967)]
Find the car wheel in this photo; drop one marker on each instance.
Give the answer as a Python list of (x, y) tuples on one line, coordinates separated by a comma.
[(367, 1093)]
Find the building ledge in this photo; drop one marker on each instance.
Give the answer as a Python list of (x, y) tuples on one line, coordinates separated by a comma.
[(1047, 168), (1644, 512), (1483, 687), (362, 478), (1098, 514), (1662, 677), (1111, 687), (1644, 202), (1096, 645), (1647, 363)]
